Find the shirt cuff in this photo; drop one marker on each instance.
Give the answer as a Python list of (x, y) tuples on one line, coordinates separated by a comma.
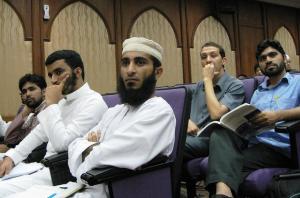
[(14, 155)]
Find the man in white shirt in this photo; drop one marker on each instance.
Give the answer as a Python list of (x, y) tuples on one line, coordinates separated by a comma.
[(72, 110), (131, 134)]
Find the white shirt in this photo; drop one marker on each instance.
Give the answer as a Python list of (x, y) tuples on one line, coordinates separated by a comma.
[(61, 123), (130, 137), (3, 126)]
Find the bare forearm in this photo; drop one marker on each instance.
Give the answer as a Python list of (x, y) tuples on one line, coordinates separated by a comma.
[(215, 108), (289, 114)]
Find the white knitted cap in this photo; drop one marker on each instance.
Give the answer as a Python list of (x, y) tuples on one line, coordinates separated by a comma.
[(141, 44)]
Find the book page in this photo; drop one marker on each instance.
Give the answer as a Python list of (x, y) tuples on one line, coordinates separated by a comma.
[(208, 129), (238, 119)]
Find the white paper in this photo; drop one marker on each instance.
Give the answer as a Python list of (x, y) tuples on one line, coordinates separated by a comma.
[(23, 169)]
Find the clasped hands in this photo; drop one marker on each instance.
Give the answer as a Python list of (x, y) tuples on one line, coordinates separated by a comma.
[(92, 137)]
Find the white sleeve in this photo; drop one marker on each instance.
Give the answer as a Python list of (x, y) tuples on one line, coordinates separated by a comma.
[(60, 134), (35, 138), (76, 149), (151, 133), (3, 126)]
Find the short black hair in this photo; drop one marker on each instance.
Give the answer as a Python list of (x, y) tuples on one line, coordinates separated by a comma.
[(32, 78), (213, 44), (71, 57), (156, 62), (269, 43)]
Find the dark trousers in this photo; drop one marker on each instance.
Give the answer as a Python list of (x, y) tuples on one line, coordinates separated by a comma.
[(230, 160)]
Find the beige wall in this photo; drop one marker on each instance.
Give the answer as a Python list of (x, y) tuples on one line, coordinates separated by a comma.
[(16, 59), (151, 24), (80, 28), (288, 44)]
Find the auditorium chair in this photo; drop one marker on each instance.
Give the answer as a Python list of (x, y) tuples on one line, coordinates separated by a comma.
[(158, 178), (256, 183)]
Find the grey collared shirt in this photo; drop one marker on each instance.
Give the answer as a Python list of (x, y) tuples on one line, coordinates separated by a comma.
[(229, 91)]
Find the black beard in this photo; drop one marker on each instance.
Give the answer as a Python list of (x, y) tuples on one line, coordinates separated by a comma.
[(136, 97), (275, 72), (34, 104), (70, 83)]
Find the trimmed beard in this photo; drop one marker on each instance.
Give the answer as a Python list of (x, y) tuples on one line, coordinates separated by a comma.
[(136, 97), (274, 72), (69, 85), (34, 104)]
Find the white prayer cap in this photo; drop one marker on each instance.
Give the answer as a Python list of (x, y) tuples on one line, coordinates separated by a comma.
[(142, 44)]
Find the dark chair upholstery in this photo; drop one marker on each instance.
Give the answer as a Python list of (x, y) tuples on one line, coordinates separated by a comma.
[(160, 179), (256, 183)]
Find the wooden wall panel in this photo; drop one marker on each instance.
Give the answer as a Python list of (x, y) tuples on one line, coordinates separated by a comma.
[(131, 9), (246, 23), (249, 38), (163, 34), (80, 28), (15, 56), (278, 16), (251, 32), (105, 8), (24, 11)]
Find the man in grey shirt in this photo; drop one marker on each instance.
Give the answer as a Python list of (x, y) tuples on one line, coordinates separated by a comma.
[(216, 95)]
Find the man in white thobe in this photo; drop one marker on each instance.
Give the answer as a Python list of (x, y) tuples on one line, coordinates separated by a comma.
[(72, 110), (134, 132)]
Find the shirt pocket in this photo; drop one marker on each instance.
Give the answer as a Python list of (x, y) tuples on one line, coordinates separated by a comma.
[(286, 103)]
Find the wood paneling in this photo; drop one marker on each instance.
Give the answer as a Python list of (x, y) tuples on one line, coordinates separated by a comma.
[(84, 31), (105, 8), (131, 9), (249, 38), (15, 56), (163, 34), (278, 16), (246, 22), (23, 9), (251, 32)]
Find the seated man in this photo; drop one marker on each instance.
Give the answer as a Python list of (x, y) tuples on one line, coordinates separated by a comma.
[(72, 110), (32, 89), (278, 97), (217, 94), (133, 133)]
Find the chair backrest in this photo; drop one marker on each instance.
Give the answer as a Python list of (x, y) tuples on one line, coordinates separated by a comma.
[(250, 84), (260, 78), (111, 99), (179, 100)]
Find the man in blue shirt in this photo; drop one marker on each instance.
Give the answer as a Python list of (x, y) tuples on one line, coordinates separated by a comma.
[(278, 97)]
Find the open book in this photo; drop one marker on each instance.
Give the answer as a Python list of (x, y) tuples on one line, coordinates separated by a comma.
[(237, 120)]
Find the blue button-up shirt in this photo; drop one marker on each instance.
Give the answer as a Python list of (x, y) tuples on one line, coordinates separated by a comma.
[(284, 95)]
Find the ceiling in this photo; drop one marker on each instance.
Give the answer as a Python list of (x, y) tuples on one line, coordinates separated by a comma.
[(290, 3)]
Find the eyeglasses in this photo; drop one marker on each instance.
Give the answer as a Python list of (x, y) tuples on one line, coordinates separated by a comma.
[(264, 57)]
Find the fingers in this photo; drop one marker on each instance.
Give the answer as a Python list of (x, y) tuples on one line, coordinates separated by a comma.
[(62, 82), (192, 127), (5, 167), (93, 136)]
